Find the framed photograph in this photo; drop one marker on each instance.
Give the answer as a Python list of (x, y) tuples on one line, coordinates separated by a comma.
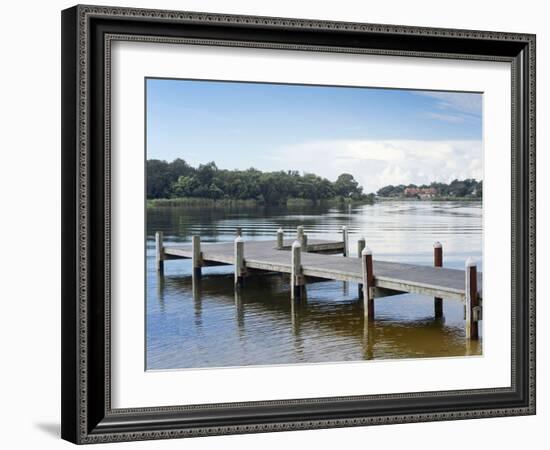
[(280, 224)]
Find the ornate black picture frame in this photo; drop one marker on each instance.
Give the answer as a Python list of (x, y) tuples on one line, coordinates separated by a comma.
[(87, 415)]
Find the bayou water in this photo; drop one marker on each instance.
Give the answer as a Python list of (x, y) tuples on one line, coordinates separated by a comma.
[(209, 324)]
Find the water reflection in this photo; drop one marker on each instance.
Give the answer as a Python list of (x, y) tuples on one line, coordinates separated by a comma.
[(209, 323)]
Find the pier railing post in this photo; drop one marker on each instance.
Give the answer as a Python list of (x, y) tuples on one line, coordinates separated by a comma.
[(296, 277), (280, 238), (239, 261), (368, 282), (360, 246), (472, 300), (345, 239), (197, 256), (438, 262), (159, 251)]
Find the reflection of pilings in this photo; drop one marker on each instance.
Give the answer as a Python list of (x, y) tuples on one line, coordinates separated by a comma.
[(295, 317), (239, 309), (197, 300), (297, 310), (160, 291), (473, 347), (368, 338), (414, 337)]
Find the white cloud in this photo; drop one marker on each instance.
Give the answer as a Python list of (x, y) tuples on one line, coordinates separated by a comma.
[(377, 163), (463, 102), (451, 118)]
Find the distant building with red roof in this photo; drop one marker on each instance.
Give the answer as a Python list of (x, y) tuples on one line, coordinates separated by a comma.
[(423, 193)]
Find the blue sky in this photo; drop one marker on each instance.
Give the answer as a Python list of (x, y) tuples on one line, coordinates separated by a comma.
[(381, 136)]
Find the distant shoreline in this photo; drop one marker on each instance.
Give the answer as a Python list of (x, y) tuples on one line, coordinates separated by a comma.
[(198, 202), (434, 199), (249, 203)]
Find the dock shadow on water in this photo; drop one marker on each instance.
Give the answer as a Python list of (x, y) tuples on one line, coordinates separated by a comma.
[(208, 323)]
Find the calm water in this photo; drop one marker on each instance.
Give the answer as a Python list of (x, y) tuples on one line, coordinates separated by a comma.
[(210, 325)]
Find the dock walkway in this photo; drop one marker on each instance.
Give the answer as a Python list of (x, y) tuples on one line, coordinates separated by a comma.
[(303, 259)]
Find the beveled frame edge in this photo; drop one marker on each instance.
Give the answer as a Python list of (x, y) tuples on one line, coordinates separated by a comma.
[(77, 227)]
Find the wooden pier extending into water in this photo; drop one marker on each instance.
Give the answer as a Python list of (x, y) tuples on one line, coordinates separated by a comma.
[(305, 258)]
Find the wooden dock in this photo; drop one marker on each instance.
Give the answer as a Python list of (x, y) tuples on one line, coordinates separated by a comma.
[(312, 259)]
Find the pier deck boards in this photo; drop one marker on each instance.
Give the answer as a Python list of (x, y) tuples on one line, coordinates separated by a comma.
[(389, 277)]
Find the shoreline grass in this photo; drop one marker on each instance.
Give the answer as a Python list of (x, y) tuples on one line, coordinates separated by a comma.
[(200, 202)]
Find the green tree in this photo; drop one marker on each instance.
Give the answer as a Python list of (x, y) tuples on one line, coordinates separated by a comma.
[(345, 185)]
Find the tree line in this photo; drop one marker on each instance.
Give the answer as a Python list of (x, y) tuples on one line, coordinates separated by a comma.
[(456, 188), (178, 179)]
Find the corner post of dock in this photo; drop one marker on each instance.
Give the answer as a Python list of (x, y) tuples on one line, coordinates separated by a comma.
[(159, 251), (345, 240), (361, 242), (197, 256), (368, 282), (438, 262), (296, 277), (280, 238), (472, 300), (239, 261)]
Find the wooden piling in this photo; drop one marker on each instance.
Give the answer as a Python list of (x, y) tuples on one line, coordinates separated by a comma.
[(472, 301), (239, 261), (360, 246), (368, 283), (345, 239), (197, 256), (159, 250), (238, 232), (391, 278), (438, 262), (296, 277), (301, 237), (280, 238)]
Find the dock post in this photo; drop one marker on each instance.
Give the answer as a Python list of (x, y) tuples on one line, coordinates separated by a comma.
[(360, 246), (472, 300), (159, 250), (197, 256), (301, 237), (238, 232), (345, 239), (368, 283), (239, 261), (296, 277), (438, 262), (299, 232), (280, 238), (303, 242)]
